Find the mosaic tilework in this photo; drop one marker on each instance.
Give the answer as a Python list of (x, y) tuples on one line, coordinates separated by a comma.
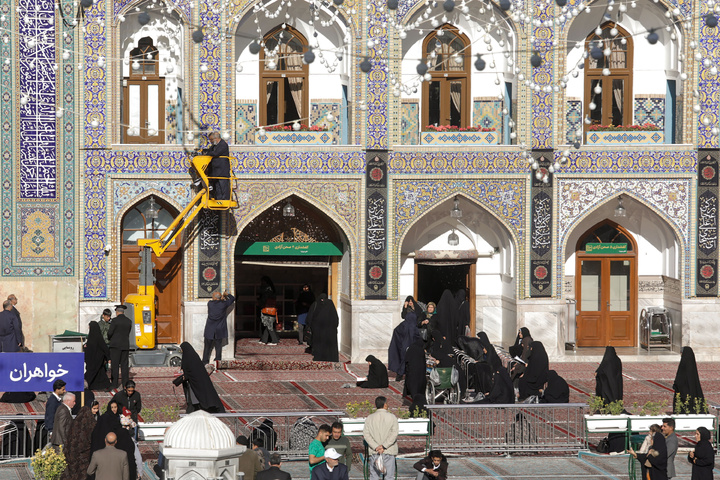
[(487, 113), (245, 121), (126, 192), (170, 121), (318, 116), (184, 6), (410, 122), (613, 162), (625, 138), (377, 78), (209, 84), (96, 108), (299, 162), (649, 110), (469, 161), (36, 79), (542, 112), (573, 119), (708, 85), (459, 138), (37, 233), (503, 197), (670, 199)]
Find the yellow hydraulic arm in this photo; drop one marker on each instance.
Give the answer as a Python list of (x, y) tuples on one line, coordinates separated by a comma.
[(141, 305)]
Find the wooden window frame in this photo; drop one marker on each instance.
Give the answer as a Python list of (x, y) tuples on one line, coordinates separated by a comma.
[(280, 76), (445, 77), (625, 74), (144, 80)]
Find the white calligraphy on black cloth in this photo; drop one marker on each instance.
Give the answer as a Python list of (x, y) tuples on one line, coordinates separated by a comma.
[(541, 223), (376, 223), (707, 223)]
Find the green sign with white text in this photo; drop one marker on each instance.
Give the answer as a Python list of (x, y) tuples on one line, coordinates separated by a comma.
[(606, 248), (290, 248)]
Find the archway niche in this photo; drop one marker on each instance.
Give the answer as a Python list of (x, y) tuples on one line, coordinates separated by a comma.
[(659, 258), (483, 262)]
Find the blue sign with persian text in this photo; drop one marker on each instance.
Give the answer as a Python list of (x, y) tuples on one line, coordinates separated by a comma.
[(36, 372)]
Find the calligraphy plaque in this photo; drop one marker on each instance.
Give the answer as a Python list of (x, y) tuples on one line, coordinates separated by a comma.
[(376, 169), (707, 223), (36, 372), (375, 225), (375, 275), (209, 256), (541, 225)]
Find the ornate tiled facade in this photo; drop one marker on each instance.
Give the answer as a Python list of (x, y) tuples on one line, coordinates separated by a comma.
[(66, 184)]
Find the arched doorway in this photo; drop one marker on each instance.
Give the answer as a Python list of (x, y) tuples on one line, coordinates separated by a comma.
[(168, 268), (607, 286), (293, 243)]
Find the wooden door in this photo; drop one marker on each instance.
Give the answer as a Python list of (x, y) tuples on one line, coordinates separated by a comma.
[(607, 301), (168, 268)]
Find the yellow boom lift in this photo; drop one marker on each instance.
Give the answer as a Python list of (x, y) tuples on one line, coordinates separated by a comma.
[(141, 305)]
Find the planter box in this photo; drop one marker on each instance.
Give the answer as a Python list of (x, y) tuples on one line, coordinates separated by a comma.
[(154, 431), (641, 423), (692, 422), (459, 138), (606, 423), (353, 427), (294, 138), (625, 138)]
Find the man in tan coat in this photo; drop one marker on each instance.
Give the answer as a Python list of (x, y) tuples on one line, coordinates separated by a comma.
[(109, 463), (380, 433)]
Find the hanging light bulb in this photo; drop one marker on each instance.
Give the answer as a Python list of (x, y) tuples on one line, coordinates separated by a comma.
[(152, 211), (456, 212), (288, 209), (620, 210), (453, 239)]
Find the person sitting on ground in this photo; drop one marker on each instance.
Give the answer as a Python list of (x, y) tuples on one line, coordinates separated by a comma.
[(432, 467), (556, 389), (341, 444), (262, 453), (377, 374), (274, 472), (249, 461), (332, 470), (316, 450), (129, 398), (536, 374)]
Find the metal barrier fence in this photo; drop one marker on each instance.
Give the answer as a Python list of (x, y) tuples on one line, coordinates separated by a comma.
[(20, 435), (464, 429), (290, 433)]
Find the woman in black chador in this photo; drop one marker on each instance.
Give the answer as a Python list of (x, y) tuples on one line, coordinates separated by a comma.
[(415, 370), (687, 384), (97, 354), (536, 373), (200, 392), (377, 376), (608, 377), (703, 457), (323, 321), (655, 461)]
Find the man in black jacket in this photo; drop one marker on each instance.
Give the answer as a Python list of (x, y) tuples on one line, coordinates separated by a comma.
[(274, 472), (219, 166), (216, 329), (119, 336), (432, 467)]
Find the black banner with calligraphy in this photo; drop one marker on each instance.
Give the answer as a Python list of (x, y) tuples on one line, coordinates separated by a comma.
[(376, 233), (707, 224), (541, 225), (209, 229)]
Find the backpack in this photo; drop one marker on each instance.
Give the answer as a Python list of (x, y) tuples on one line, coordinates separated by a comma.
[(302, 433)]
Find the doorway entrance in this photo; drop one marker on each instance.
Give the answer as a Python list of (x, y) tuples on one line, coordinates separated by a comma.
[(168, 268), (433, 278), (606, 287)]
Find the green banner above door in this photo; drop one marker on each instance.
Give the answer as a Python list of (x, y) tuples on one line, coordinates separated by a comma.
[(605, 248), (290, 248)]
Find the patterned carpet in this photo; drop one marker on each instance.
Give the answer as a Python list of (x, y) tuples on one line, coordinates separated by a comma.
[(284, 378)]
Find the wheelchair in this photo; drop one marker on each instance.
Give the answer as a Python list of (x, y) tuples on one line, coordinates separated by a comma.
[(443, 386)]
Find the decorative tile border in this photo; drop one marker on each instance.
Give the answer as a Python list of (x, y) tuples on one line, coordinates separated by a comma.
[(466, 161), (672, 162)]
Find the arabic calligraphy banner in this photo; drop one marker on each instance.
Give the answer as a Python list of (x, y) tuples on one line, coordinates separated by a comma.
[(541, 226), (707, 224), (36, 372)]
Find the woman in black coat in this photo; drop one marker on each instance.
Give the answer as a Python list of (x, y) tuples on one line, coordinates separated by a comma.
[(703, 457), (415, 370), (97, 354), (536, 373), (377, 376), (687, 384), (608, 377)]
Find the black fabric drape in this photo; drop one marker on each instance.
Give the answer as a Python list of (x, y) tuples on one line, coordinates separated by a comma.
[(446, 317), (403, 336), (463, 306), (415, 378), (536, 373), (687, 383), (441, 349), (557, 390), (196, 377)]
